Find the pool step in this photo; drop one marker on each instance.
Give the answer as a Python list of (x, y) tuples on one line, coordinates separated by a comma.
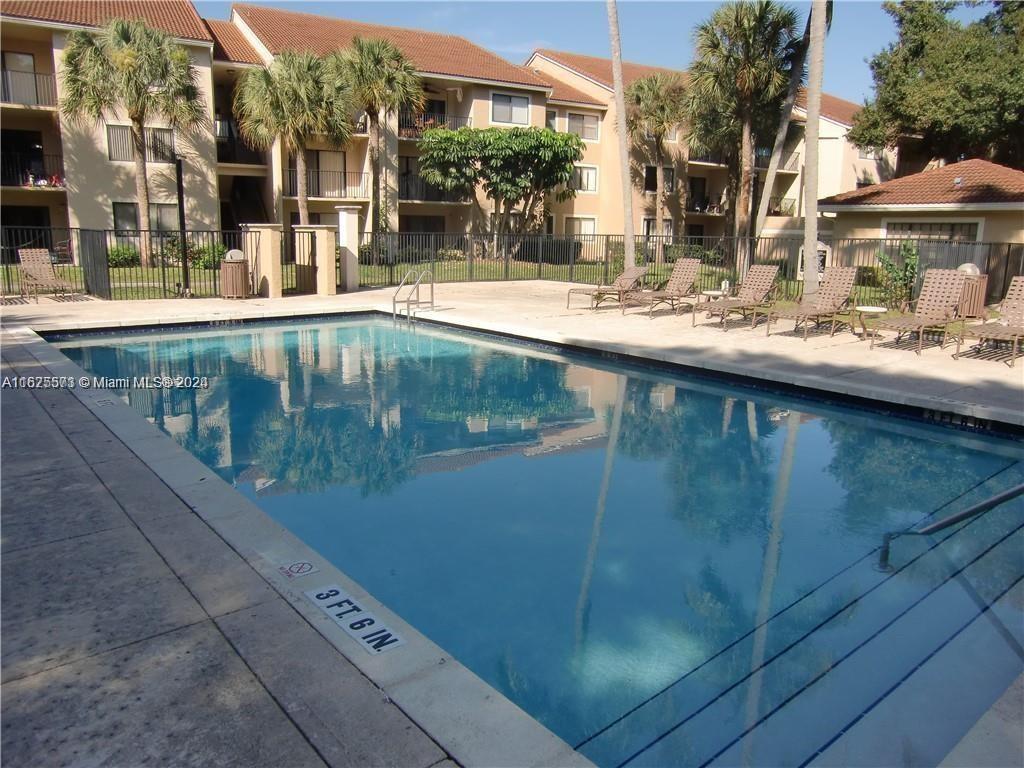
[(702, 717)]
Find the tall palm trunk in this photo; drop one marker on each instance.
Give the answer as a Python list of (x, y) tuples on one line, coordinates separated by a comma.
[(302, 184), (816, 54), (374, 140), (659, 202), (629, 243), (743, 194), (142, 189), (795, 76)]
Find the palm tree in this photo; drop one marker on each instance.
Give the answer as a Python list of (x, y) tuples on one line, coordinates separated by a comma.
[(816, 54), (130, 67), (383, 81), (741, 61), (655, 107), (629, 244), (295, 99)]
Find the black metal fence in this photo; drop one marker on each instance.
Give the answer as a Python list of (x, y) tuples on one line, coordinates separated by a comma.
[(127, 264), (385, 259)]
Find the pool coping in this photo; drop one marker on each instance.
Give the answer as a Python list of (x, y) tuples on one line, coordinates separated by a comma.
[(472, 721)]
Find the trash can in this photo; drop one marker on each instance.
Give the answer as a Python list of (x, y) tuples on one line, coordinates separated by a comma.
[(234, 276), (972, 300)]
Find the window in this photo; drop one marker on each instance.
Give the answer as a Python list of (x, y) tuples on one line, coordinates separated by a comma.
[(159, 144), (584, 178), (551, 120), (584, 126), (959, 231), (580, 225), (549, 225), (870, 153), (666, 227), (673, 134), (506, 108), (651, 179), (163, 217)]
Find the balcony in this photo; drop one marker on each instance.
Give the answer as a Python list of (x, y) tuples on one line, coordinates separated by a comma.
[(704, 206), (231, 148), (707, 158), (31, 170), (31, 89), (334, 185), (412, 187), (411, 125), (788, 163), (781, 206)]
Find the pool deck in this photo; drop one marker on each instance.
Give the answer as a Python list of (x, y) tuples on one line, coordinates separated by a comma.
[(977, 386), (144, 614)]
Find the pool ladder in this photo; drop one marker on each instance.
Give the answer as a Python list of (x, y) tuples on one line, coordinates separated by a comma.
[(412, 300)]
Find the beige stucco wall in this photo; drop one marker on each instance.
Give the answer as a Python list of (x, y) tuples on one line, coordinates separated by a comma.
[(994, 226), (95, 182)]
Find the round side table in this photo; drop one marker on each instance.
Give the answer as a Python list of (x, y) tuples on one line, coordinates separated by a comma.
[(867, 311)]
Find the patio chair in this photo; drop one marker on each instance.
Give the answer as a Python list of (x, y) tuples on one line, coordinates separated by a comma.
[(832, 297), (616, 291), (680, 289), (38, 274), (755, 292), (1009, 327), (935, 308)]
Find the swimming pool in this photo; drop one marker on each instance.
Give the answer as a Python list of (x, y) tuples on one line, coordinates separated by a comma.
[(663, 570)]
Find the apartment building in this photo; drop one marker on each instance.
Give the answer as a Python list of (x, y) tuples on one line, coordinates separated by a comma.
[(61, 173), (696, 184)]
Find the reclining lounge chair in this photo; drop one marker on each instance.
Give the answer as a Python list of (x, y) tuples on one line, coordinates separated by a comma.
[(832, 297), (1009, 327), (616, 291), (680, 289), (754, 293), (935, 309)]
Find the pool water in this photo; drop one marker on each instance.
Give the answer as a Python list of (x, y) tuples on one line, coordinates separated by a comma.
[(663, 570)]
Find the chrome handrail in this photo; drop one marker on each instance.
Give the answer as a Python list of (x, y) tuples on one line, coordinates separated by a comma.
[(413, 297)]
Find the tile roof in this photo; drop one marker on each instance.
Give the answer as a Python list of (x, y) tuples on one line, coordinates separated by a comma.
[(599, 69), (176, 17), (229, 44), (430, 52), (979, 182), (832, 107), (564, 92)]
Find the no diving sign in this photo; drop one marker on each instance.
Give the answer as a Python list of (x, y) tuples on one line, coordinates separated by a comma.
[(300, 568), (361, 625)]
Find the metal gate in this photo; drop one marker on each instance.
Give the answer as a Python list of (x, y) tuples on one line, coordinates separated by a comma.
[(298, 264)]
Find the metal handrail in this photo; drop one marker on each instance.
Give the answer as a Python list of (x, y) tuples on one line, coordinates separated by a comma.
[(946, 522), (414, 291)]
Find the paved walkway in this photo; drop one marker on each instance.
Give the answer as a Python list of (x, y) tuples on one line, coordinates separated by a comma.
[(133, 634), (974, 386)]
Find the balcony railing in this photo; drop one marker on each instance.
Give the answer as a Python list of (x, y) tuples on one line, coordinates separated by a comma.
[(412, 187), (337, 185), (231, 148), (712, 158), (703, 205), (790, 161), (34, 170), (411, 125), (34, 89)]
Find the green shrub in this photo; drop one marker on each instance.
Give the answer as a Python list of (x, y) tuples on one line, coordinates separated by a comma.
[(450, 254), (119, 256), (207, 256), (867, 277), (898, 277)]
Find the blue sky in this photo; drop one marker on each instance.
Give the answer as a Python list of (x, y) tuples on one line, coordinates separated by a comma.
[(652, 32)]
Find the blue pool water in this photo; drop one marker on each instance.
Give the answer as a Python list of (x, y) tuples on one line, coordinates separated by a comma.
[(662, 570)]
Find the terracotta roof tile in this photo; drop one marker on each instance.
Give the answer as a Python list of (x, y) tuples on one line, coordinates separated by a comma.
[(979, 182), (430, 52), (564, 92), (176, 17), (832, 107), (229, 44), (600, 70)]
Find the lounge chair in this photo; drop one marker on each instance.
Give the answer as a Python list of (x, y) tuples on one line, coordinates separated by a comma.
[(936, 308), (1009, 327), (754, 293), (680, 289), (616, 291), (38, 274), (832, 297)]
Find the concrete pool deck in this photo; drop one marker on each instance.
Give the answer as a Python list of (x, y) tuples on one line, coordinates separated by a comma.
[(149, 616), (976, 387)]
